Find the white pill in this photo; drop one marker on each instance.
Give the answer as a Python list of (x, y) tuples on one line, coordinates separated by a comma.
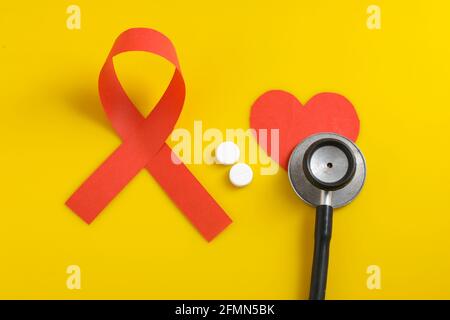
[(227, 153), (241, 175)]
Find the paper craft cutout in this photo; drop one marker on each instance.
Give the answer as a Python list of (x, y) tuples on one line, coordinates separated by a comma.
[(325, 112), (143, 143)]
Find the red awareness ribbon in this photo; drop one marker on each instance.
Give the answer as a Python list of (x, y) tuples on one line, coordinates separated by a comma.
[(143, 143)]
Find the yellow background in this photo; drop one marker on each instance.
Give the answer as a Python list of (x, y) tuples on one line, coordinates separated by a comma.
[(54, 134)]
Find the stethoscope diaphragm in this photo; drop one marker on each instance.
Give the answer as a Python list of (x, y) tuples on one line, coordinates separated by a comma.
[(319, 164)]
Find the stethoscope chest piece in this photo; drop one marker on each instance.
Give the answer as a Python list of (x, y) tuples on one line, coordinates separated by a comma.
[(327, 171), (327, 167)]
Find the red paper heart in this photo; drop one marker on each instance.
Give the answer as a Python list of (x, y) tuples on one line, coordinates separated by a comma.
[(325, 112)]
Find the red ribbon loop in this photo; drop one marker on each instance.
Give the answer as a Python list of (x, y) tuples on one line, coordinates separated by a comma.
[(143, 143)]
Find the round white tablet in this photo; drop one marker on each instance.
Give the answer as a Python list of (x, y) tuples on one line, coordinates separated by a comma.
[(241, 175), (227, 153)]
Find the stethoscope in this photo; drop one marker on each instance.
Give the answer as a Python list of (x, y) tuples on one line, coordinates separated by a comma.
[(327, 171)]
